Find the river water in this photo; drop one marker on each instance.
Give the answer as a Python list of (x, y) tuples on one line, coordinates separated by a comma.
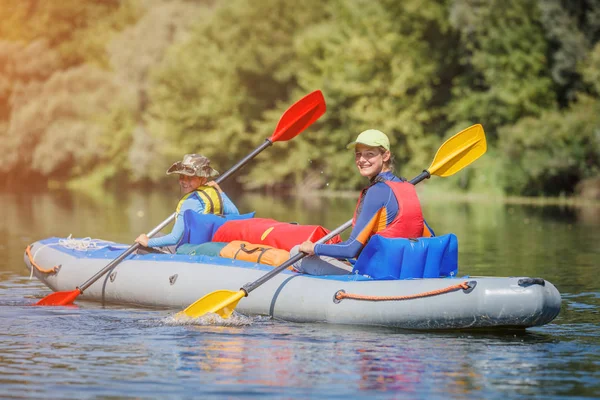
[(91, 351)]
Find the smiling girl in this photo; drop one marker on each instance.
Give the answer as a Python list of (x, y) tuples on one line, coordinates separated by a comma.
[(389, 206)]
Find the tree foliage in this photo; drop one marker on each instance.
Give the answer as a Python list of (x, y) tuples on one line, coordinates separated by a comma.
[(505, 73), (159, 27), (77, 29), (210, 93), (550, 155), (114, 91), (21, 64), (56, 127), (377, 64)]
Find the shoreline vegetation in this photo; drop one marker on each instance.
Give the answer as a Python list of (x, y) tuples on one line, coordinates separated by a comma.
[(107, 94), (427, 194), (439, 195)]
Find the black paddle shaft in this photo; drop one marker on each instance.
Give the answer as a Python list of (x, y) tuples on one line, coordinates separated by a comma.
[(244, 161), (170, 218), (251, 286), (421, 177)]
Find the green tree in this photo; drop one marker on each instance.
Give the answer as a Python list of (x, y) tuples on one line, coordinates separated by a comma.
[(56, 127), (212, 90), (41, 45), (380, 66), (572, 27), (505, 73), (549, 155), (161, 25), (591, 70), (77, 29), (22, 63)]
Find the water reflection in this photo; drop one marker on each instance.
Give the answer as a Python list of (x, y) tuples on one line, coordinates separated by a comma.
[(229, 356), (382, 370), (109, 351), (368, 360), (123, 350)]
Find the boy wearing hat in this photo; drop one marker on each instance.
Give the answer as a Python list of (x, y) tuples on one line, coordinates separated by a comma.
[(199, 195)]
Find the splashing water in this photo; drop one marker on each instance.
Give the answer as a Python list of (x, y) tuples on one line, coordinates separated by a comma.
[(211, 319)]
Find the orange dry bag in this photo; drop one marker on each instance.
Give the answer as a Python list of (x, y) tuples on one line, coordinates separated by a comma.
[(258, 253)]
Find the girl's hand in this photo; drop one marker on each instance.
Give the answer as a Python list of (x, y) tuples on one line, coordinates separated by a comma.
[(142, 239), (307, 247)]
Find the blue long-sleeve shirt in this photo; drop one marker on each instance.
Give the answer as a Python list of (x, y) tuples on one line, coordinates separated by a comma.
[(379, 209), (196, 204)]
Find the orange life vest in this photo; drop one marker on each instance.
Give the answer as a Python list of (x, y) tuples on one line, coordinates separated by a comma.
[(409, 221)]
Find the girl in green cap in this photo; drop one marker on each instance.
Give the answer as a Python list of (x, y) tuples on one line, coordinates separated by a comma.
[(389, 206)]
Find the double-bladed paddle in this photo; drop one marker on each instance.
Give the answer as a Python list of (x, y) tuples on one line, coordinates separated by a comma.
[(455, 154), (293, 121)]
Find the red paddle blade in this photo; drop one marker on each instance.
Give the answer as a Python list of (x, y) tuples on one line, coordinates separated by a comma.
[(59, 298), (299, 116)]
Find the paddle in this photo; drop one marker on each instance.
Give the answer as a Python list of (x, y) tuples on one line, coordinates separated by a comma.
[(293, 121), (455, 154)]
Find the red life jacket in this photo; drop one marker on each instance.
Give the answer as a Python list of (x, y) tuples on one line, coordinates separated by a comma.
[(409, 221)]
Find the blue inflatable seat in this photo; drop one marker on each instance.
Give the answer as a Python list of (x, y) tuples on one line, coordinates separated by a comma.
[(200, 228), (385, 258)]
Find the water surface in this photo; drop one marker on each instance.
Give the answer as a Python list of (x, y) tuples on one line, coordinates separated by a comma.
[(90, 351)]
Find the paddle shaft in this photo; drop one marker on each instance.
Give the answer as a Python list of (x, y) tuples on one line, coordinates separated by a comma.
[(251, 286), (126, 253), (171, 217), (244, 161)]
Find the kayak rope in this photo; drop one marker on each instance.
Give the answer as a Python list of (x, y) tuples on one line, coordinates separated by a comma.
[(341, 294), (83, 244), (52, 270), (69, 242)]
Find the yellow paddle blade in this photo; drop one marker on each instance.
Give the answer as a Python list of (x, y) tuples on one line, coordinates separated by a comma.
[(459, 151), (220, 302)]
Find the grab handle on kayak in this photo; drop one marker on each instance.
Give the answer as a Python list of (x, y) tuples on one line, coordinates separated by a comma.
[(531, 281), (467, 287)]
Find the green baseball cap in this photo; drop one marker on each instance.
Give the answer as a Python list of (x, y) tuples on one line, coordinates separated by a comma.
[(371, 137)]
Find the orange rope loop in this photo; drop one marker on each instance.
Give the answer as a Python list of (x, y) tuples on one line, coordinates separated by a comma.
[(52, 270), (341, 294)]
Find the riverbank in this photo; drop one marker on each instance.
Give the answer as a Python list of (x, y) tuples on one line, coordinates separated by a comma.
[(428, 193), (434, 195)]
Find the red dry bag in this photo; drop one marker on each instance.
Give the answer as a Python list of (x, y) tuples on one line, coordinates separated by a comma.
[(281, 235)]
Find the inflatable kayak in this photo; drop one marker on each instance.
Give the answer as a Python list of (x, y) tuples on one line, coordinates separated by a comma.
[(174, 281)]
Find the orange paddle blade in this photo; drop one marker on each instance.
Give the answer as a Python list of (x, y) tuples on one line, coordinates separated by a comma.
[(299, 116), (59, 298)]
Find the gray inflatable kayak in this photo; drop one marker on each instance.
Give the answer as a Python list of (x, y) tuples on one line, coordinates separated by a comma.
[(176, 281)]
